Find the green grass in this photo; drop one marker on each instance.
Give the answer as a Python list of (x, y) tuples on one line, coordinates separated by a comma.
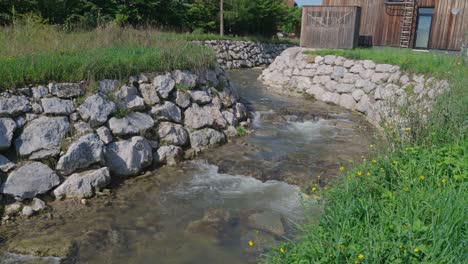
[(39, 54), (407, 202), (202, 37)]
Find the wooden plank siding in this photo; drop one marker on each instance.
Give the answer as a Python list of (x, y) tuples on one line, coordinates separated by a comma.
[(382, 22), (330, 27)]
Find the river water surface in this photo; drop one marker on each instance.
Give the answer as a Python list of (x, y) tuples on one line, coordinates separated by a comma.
[(207, 210)]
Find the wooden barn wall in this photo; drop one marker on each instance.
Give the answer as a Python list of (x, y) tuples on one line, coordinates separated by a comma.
[(383, 22)]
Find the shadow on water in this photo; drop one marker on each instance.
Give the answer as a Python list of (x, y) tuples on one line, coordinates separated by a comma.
[(207, 210)]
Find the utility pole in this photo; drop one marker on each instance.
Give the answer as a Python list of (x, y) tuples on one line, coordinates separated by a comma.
[(221, 17)]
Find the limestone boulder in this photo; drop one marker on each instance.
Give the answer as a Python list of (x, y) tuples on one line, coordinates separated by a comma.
[(14, 105), (129, 98), (42, 137), (67, 90), (170, 155), (133, 123), (96, 109), (172, 134), (30, 180), (5, 164), (185, 78), (164, 85), (167, 112), (149, 93), (88, 150), (83, 185), (206, 137), (128, 157), (183, 99), (200, 97), (57, 106), (207, 116), (7, 128)]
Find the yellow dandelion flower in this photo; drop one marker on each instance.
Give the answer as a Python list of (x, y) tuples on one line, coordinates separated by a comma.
[(371, 146), (350, 161), (251, 243), (282, 250), (422, 178), (316, 197), (318, 177), (407, 129), (368, 174), (360, 256), (395, 162), (325, 188), (382, 170), (407, 188), (341, 168), (444, 181), (359, 173), (314, 189), (416, 250), (356, 262), (374, 161), (307, 196)]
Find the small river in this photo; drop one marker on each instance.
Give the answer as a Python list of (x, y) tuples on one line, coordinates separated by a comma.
[(207, 210)]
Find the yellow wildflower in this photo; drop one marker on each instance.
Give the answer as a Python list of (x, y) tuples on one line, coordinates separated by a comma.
[(416, 250), (350, 161), (407, 188), (368, 174), (444, 181), (371, 146), (360, 256), (356, 262), (382, 170), (341, 168), (342, 246), (407, 129), (395, 162), (316, 197), (326, 187), (307, 196), (282, 250), (314, 189), (374, 161), (422, 178), (251, 243), (359, 173)]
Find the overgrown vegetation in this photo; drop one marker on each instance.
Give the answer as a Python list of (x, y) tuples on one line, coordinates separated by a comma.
[(34, 53), (406, 203)]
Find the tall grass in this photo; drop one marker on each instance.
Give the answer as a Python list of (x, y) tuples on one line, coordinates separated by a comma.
[(404, 204), (31, 54)]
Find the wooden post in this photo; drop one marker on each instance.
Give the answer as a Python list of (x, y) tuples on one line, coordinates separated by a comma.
[(221, 17)]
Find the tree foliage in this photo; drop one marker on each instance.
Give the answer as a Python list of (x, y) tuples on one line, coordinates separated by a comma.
[(243, 17)]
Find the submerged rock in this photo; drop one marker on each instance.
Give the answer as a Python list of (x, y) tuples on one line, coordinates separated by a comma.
[(267, 221), (83, 185), (30, 180), (128, 157), (42, 137), (212, 226), (86, 151)]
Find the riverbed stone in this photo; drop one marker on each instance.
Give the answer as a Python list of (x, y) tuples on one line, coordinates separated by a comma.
[(7, 128), (96, 109), (185, 78), (42, 137), (268, 221), (133, 123), (30, 180), (86, 151), (129, 98), (212, 226), (14, 105), (170, 155), (66, 90), (27, 211), (83, 185), (13, 209), (38, 205), (57, 106), (183, 99), (173, 134), (206, 137), (5, 164), (200, 97), (167, 112), (104, 134), (128, 157)]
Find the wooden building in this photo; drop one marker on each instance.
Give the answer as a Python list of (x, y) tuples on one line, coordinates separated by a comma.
[(424, 24)]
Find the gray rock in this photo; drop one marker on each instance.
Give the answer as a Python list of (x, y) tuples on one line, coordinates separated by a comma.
[(38, 205), (229, 96), (30, 117), (357, 94), (350, 78), (13, 209), (27, 211), (368, 64), (56, 106), (7, 128), (230, 118), (20, 121), (338, 73), (40, 92), (357, 68), (26, 91), (347, 101), (139, 79), (348, 64), (66, 90), (363, 104), (128, 157), (383, 68), (324, 70), (329, 59), (200, 97), (368, 86), (167, 112), (332, 98), (83, 185), (86, 151), (36, 108), (164, 85), (209, 115), (183, 99), (231, 132), (5, 164), (211, 78), (30, 180), (344, 88), (173, 134), (240, 111), (321, 79), (74, 117), (96, 109), (129, 98), (149, 93), (42, 137), (133, 123), (14, 105), (267, 221), (367, 74), (82, 128), (380, 77), (104, 134), (206, 137), (107, 86), (185, 78), (170, 155)]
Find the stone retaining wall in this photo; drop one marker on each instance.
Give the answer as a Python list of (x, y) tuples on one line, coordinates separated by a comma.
[(379, 91), (72, 139), (244, 54)]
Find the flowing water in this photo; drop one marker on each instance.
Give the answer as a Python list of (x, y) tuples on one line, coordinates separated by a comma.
[(207, 210)]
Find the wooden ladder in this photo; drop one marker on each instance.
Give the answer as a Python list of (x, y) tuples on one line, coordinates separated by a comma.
[(407, 23)]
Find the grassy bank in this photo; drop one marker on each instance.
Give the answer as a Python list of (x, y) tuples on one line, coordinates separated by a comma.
[(406, 203), (39, 54)]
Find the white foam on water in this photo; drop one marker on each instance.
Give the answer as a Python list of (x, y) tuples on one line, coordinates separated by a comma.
[(312, 130), (212, 188)]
